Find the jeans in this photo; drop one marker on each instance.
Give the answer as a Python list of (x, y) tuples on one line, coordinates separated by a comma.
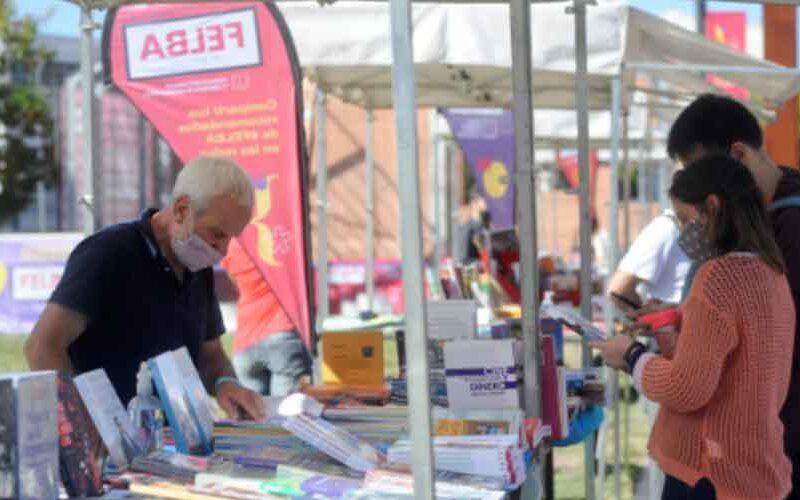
[(675, 489), (274, 366)]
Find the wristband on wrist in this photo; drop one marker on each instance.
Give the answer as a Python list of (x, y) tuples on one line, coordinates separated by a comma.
[(632, 355), (224, 380)]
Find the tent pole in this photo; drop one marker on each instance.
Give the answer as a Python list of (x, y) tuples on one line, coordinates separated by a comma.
[(626, 183), (522, 71), (87, 114), (323, 305), (419, 401), (582, 105), (613, 261), (554, 205), (369, 160)]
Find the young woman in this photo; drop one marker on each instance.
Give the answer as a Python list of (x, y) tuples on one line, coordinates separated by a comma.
[(718, 433)]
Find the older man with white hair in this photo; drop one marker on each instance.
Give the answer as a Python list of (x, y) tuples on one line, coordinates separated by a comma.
[(137, 289)]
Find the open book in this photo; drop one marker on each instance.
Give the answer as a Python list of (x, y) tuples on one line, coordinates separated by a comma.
[(574, 320)]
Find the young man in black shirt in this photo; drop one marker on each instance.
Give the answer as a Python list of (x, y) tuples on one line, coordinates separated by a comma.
[(715, 124)]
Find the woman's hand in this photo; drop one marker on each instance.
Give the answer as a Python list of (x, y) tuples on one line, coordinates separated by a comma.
[(613, 350)]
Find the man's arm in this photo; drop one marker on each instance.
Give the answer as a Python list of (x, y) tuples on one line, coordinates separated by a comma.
[(624, 284), (57, 328), (213, 363), (236, 400)]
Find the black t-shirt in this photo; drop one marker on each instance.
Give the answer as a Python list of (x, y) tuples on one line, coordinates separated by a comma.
[(137, 307), (786, 224)]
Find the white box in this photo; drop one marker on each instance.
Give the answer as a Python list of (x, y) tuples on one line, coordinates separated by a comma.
[(483, 374), (452, 319)]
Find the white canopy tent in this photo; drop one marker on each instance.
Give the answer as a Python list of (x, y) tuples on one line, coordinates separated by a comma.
[(462, 54)]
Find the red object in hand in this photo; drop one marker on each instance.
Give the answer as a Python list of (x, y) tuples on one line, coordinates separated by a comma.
[(661, 319)]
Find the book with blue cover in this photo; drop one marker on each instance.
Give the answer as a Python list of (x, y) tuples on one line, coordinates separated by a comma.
[(184, 423), (28, 436), (199, 399)]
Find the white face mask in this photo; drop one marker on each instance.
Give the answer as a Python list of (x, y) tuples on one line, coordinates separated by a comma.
[(193, 252)]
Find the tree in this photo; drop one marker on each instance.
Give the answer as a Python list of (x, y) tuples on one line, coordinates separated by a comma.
[(26, 124)]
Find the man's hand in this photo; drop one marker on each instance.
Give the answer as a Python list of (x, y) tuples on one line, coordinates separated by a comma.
[(613, 350), (240, 403), (654, 306)]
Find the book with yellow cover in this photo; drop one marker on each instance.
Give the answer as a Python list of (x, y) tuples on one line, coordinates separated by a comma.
[(354, 358)]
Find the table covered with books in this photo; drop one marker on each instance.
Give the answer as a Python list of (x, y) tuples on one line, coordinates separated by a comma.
[(345, 437)]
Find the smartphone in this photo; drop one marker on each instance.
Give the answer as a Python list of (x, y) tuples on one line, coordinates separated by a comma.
[(625, 300)]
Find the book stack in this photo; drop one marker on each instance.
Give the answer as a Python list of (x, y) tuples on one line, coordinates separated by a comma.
[(29, 467), (390, 483), (498, 457)]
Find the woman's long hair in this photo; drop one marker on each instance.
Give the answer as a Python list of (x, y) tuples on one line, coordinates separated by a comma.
[(740, 224)]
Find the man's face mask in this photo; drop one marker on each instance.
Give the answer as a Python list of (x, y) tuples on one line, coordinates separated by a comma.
[(193, 251), (694, 242)]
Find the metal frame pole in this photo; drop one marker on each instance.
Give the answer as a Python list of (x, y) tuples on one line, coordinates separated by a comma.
[(711, 68), (613, 261), (323, 303), (369, 164), (582, 106), (641, 186), (626, 182), (88, 109), (405, 103), (522, 74)]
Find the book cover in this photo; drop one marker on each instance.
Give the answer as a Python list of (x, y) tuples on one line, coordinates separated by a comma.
[(334, 441), (573, 319), (482, 374), (352, 358), (198, 396), (550, 392), (37, 436), (8, 439), (109, 416), (452, 319), (184, 425), (78, 460)]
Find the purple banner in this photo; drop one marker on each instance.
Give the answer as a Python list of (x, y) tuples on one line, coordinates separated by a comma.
[(30, 267), (486, 137)]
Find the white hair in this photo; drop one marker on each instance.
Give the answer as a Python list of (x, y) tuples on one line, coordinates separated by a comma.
[(207, 177)]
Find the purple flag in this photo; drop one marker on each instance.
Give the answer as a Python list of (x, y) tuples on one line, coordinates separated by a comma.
[(486, 136)]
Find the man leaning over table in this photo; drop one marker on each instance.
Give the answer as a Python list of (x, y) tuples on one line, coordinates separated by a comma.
[(137, 289)]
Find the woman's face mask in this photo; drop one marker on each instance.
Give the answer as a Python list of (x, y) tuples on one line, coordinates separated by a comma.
[(695, 243)]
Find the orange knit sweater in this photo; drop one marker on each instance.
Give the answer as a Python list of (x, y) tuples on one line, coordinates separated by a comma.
[(722, 393)]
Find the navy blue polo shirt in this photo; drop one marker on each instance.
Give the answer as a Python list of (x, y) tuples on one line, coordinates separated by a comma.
[(137, 307)]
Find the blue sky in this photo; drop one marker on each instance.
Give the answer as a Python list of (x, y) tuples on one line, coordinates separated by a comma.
[(61, 18)]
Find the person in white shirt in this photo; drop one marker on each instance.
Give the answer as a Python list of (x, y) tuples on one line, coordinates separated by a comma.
[(654, 262)]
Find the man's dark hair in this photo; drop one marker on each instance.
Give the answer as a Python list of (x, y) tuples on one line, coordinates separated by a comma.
[(713, 122), (740, 223)]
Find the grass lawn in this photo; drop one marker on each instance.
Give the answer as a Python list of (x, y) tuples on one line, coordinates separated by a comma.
[(569, 469)]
